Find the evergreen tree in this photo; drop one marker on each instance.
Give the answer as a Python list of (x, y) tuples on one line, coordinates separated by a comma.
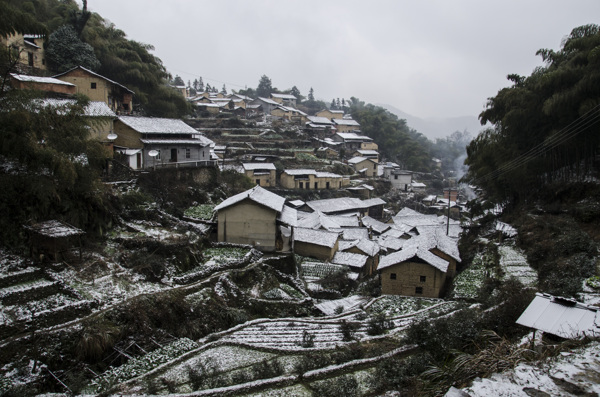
[(224, 90), (296, 92), (311, 94), (544, 125), (178, 81), (333, 105), (265, 87), (65, 51)]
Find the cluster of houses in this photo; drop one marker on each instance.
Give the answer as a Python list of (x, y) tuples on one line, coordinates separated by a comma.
[(142, 142), (412, 253)]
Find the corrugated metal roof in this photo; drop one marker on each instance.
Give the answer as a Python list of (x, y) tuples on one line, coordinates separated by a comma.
[(559, 316)]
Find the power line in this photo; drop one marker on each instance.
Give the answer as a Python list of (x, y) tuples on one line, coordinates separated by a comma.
[(574, 128)]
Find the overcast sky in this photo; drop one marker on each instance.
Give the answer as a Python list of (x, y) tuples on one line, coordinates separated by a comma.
[(431, 58)]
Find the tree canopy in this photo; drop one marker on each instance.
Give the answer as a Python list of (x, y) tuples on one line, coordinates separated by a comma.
[(544, 125), (397, 142), (66, 51), (265, 88)]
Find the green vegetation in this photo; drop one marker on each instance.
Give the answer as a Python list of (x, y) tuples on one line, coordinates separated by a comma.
[(397, 142), (544, 125), (202, 211)]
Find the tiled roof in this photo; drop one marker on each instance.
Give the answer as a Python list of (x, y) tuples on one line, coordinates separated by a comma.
[(356, 261), (407, 253), (93, 108), (95, 74), (258, 166), (149, 125), (258, 195), (317, 237), (38, 79)]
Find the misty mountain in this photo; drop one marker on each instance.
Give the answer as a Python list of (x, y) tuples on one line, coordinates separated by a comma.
[(434, 128)]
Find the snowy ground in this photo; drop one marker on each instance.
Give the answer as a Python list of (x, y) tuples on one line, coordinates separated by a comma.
[(572, 373), (514, 264)]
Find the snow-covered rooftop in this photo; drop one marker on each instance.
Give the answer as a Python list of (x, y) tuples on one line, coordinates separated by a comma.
[(563, 317), (288, 216), (347, 122), (258, 166), (375, 225), (283, 96), (317, 237), (55, 229), (342, 204), (156, 125), (356, 261), (319, 120), (38, 79), (257, 194), (413, 251), (93, 108)]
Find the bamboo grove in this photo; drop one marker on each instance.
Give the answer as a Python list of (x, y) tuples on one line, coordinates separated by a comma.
[(545, 127)]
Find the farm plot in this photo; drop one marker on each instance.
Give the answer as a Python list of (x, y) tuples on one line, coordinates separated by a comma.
[(338, 306), (313, 271), (469, 281), (392, 305), (514, 264), (290, 334)]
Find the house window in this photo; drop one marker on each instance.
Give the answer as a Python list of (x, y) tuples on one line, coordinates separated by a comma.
[(392, 276), (327, 185), (316, 185), (93, 86), (422, 278), (374, 166), (419, 291), (30, 59), (395, 176), (158, 155), (188, 153), (301, 185)]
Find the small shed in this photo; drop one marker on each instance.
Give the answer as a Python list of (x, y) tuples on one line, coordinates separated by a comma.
[(562, 317), (53, 238)]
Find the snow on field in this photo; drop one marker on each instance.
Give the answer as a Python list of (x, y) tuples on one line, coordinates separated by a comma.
[(514, 264), (394, 305), (574, 373), (296, 391), (223, 358), (25, 312), (349, 303)]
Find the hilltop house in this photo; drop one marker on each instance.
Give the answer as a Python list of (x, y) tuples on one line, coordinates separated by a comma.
[(176, 143), (284, 99), (367, 153), (331, 114), (99, 88), (49, 85), (345, 125), (311, 179), (363, 165), (30, 48), (264, 174), (255, 217), (351, 141), (268, 105)]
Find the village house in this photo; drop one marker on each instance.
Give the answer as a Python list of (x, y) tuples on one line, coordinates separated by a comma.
[(319, 244), (345, 125), (365, 247), (413, 272), (49, 85), (289, 114), (310, 179), (400, 179), (30, 48), (99, 88), (418, 187), (319, 125), (284, 99), (254, 217), (350, 140), (369, 145), (268, 105), (346, 206), (325, 152), (356, 263), (331, 114), (364, 166), (99, 116), (263, 174), (158, 142), (369, 154)]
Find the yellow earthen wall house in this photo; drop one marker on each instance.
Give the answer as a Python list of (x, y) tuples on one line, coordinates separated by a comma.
[(315, 251), (368, 165), (335, 114), (248, 222), (312, 180), (412, 279), (99, 88), (30, 48), (369, 146)]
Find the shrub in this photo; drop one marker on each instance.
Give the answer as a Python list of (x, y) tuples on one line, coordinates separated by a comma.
[(348, 329), (267, 369), (308, 339), (204, 375), (378, 324), (344, 385)]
